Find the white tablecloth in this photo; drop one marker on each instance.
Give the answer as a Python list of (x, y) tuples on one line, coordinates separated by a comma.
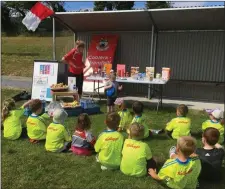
[(131, 80)]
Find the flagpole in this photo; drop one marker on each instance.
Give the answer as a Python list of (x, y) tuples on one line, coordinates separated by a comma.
[(53, 39)]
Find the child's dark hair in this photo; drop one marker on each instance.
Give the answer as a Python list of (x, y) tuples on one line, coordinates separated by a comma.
[(83, 122), (35, 105), (8, 105), (138, 107), (211, 136), (137, 131), (182, 109), (112, 120)]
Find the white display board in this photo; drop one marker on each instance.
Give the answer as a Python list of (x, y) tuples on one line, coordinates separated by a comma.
[(44, 75)]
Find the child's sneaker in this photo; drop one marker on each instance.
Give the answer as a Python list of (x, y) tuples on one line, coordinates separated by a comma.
[(96, 157), (103, 168), (172, 150), (157, 132)]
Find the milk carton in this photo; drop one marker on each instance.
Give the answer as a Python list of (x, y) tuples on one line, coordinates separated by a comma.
[(71, 83)]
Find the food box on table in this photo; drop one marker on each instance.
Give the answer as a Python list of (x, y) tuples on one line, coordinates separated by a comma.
[(121, 70), (150, 71), (165, 73), (134, 71)]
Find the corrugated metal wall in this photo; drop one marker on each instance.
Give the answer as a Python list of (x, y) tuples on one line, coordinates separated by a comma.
[(196, 56), (192, 56), (195, 91), (133, 50)]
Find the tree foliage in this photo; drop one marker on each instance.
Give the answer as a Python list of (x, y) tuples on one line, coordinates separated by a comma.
[(14, 11), (23, 6), (5, 22), (113, 5), (157, 4)]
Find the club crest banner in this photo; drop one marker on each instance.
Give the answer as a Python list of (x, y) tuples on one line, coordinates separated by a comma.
[(101, 52)]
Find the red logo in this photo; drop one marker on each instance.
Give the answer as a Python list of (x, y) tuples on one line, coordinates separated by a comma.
[(103, 45), (52, 128), (182, 121), (111, 138), (31, 123), (132, 146), (184, 172)]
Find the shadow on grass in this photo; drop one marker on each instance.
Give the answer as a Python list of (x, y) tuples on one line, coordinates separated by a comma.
[(148, 104), (21, 54)]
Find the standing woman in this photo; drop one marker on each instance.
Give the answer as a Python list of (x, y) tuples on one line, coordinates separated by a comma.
[(74, 58)]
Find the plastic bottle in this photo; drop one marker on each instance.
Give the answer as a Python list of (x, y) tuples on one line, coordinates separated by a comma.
[(74, 88)]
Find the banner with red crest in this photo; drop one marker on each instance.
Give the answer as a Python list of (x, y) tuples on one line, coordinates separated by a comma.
[(101, 52)]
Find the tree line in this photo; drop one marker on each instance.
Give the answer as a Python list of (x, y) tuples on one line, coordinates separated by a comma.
[(12, 13)]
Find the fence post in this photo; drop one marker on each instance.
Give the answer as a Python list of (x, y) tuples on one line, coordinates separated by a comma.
[(53, 39)]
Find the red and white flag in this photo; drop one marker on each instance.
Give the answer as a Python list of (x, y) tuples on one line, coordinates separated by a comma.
[(37, 13)]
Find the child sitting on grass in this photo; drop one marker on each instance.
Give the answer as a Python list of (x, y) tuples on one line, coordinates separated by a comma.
[(58, 138), (125, 115), (82, 140), (181, 125), (215, 121), (211, 156), (180, 171), (112, 84), (110, 143), (37, 122), (138, 109), (11, 119), (136, 155)]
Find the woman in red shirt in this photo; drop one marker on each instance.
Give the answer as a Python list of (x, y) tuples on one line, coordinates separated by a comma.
[(74, 59)]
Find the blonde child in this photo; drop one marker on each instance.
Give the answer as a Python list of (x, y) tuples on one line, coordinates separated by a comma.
[(136, 155), (215, 121), (180, 171), (125, 115), (37, 122), (58, 138), (181, 125), (112, 84), (110, 143), (138, 109), (11, 119), (82, 140)]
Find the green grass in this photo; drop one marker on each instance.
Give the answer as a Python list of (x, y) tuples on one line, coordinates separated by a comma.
[(19, 53), (26, 165)]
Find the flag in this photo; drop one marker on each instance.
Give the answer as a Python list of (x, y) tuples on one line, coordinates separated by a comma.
[(37, 13)]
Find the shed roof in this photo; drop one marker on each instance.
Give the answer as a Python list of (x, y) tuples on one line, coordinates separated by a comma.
[(198, 18)]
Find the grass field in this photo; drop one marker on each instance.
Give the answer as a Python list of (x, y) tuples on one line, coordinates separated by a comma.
[(26, 165), (19, 53)]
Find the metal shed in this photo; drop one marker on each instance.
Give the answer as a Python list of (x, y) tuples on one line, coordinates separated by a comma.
[(188, 40)]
